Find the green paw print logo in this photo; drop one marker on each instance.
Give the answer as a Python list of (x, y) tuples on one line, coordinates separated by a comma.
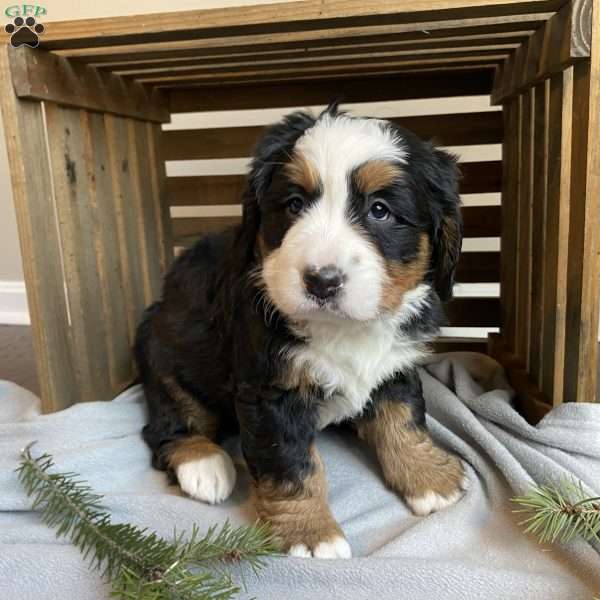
[(24, 32)]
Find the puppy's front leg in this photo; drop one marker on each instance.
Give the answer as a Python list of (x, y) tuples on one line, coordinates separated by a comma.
[(290, 491), (427, 476)]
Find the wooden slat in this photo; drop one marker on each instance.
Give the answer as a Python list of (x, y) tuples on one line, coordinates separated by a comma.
[(41, 75), (478, 267), (332, 62), (99, 181), (560, 109), (524, 245), (40, 244), (72, 180), (473, 312), (238, 142), (564, 39), (479, 221), (510, 204), (481, 177), (538, 238), (158, 178), (332, 68), (583, 282), (482, 221), (459, 345), (130, 63), (421, 85), (427, 32), (294, 16), (143, 200), (124, 205), (530, 401)]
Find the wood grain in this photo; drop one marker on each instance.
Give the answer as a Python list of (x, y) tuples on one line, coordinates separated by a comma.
[(510, 233), (271, 18), (106, 246), (583, 283), (158, 178), (525, 234), (239, 142), (560, 109), (561, 41), (277, 95), (538, 228), (41, 75), (124, 206), (40, 245), (72, 186)]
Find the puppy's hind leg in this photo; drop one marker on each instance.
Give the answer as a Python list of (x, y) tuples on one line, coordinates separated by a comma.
[(181, 434)]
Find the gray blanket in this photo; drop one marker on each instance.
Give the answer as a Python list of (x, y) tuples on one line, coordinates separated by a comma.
[(473, 550)]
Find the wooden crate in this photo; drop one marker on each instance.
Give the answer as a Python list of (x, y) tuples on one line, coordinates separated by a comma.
[(83, 115)]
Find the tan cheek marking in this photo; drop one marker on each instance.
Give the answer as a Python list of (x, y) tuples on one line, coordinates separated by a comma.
[(376, 175), (302, 173), (298, 514), (197, 418), (192, 448), (411, 463), (403, 277)]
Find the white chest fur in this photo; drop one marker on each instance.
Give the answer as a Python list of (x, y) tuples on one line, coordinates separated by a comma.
[(349, 360)]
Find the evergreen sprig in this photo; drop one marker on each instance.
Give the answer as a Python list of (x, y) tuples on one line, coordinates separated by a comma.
[(560, 513), (136, 563)]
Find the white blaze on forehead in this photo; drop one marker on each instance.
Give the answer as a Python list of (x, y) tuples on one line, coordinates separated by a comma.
[(337, 145)]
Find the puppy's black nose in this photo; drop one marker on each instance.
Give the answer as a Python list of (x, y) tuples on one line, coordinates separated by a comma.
[(325, 282)]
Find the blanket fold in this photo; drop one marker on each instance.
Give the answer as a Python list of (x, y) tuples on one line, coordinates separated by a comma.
[(472, 550)]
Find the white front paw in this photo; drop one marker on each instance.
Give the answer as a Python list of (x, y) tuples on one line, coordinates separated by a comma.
[(210, 479), (338, 547), (432, 501)]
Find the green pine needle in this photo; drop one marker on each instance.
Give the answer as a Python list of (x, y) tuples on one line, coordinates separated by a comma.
[(137, 564), (560, 513)]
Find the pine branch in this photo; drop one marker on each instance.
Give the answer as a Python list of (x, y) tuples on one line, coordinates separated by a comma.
[(138, 564), (560, 513)]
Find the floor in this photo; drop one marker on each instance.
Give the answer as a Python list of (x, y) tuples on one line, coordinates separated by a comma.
[(16, 357)]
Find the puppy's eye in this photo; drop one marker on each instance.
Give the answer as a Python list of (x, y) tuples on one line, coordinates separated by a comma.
[(295, 204), (379, 211)]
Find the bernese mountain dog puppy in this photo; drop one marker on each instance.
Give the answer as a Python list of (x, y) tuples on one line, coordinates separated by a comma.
[(315, 311)]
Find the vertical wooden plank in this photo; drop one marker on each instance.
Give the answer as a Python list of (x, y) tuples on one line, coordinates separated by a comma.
[(107, 249), (127, 219), (143, 199), (538, 229), (40, 245), (560, 109), (524, 248), (161, 200), (510, 203), (583, 281), (72, 185)]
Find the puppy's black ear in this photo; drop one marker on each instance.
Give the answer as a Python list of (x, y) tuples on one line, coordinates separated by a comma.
[(443, 177), (272, 151)]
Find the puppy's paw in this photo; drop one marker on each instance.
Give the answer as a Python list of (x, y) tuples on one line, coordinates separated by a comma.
[(210, 479), (337, 547), (444, 489)]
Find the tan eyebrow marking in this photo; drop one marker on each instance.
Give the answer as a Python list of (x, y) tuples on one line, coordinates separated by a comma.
[(375, 175), (302, 172)]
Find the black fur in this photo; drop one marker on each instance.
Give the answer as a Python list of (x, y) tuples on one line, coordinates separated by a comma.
[(210, 335)]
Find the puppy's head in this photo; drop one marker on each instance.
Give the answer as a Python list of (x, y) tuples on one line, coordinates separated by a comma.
[(349, 214)]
